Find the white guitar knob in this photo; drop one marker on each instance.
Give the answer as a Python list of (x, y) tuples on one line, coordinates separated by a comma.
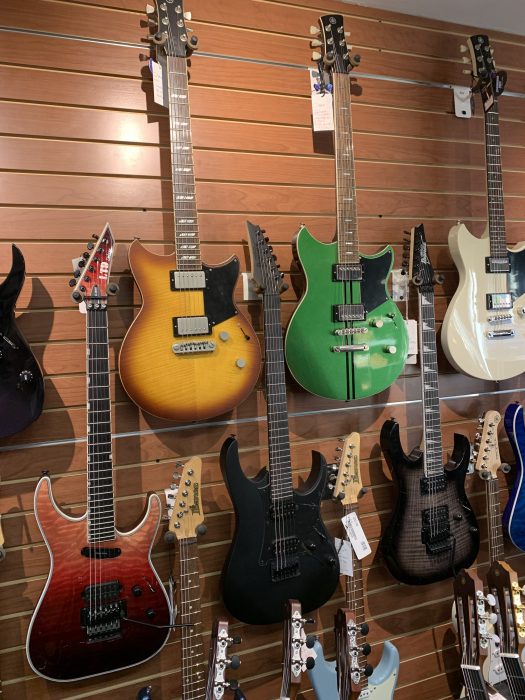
[(377, 323), (241, 362), (391, 349), (491, 600)]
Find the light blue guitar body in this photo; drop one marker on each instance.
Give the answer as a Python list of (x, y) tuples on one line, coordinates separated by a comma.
[(381, 684)]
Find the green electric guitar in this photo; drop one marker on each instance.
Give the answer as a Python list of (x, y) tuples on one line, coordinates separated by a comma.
[(346, 339)]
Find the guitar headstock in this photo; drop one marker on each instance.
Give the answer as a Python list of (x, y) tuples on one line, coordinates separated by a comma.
[(486, 79), (510, 620), (92, 270), (185, 502), (486, 448), (348, 486), (472, 616), (265, 271), (335, 54), (296, 646), (347, 650), (172, 36), (219, 661)]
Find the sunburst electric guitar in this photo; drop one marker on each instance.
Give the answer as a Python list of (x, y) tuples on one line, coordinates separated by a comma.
[(347, 338), (379, 683), (189, 354), (483, 332), (103, 607)]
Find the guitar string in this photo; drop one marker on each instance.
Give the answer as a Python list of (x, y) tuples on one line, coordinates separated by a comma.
[(286, 676)]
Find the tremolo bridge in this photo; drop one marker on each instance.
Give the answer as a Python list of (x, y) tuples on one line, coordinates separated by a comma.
[(435, 530), (102, 616)]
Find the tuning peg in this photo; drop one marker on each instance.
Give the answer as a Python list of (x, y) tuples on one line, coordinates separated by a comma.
[(315, 43), (347, 33), (315, 31), (169, 537), (366, 649), (201, 529), (310, 663), (466, 59), (355, 60), (463, 48), (76, 296), (368, 670), (467, 72), (234, 662), (72, 283), (187, 16), (150, 10), (316, 56), (234, 640), (310, 641), (113, 288), (193, 42)]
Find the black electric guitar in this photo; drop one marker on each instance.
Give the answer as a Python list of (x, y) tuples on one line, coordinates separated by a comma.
[(472, 619), (280, 548), (296, 657), (433, 531), (21, 382)]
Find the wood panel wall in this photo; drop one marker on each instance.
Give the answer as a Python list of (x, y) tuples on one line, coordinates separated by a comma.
[(82, 143)]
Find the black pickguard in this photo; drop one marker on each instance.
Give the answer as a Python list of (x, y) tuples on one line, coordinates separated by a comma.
[(249, 590), (375, 274), (516, 277), (21, 382), (405, 554), (218, 293)]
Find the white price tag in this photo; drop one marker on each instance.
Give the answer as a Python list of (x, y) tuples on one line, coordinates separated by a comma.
[(158, 83), (344, 550), (322, 108), (412, 341), (356, 535)]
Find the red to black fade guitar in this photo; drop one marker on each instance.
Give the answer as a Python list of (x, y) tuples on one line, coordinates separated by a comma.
[(103, 607)]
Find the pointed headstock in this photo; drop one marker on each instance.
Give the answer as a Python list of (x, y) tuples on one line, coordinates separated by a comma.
[(486, 79), (172, 37), (219, 661), (185, 502), (510, 620), (473, 616), (486, 448), (335, 53), (267, 277), (92, 270), (348, 486), (420, 264), (296, 658)]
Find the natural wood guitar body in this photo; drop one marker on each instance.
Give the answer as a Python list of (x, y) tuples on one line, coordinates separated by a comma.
[(189, 386)]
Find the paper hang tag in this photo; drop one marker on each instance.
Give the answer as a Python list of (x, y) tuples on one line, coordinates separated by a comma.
[(158, 83), (412, 341), (356, 535), (344, 550), (322, 108)]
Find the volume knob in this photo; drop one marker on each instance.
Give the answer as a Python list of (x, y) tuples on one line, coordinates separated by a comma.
[(25, 376), (391, 349)]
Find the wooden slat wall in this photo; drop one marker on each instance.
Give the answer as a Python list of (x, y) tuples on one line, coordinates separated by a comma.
[(82, 143)]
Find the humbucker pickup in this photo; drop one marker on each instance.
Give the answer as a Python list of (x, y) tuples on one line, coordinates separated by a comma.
[(342, 272), (191, 325), (495, 265), (349, 312), (432, 484), (499, 301), (193, 347), (101, 552), (187, 279)]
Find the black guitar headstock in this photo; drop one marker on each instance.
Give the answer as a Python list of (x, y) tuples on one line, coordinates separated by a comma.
[(420, 268), (486, 79), (172, 36), (335, 54), (267, 277)]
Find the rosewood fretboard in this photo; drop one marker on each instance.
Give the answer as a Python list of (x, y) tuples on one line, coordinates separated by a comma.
[(194, 677), (498, 241)]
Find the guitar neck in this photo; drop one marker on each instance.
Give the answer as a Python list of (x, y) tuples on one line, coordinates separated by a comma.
[(281, 485), (193, 659), (347, 236), (433, 451), (187, 246), (498, 240), (496, 547), (101, 510), (474, 682)]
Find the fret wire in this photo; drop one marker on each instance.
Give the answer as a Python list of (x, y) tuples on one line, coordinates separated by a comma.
[(495, 197)]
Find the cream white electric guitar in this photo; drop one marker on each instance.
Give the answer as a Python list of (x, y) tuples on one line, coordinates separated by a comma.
[(483, 333)]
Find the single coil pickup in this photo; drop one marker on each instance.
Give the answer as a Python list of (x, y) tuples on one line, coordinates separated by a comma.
[(191, 325), (499, 318), (349, 312), (347, 272), (351, 331), (432, 484), (503, 333), (499, 301), (350, 348), (102, 591), (289, 569), (103, 622), (497, 265), (435, 533), (283, 508), (193, 347), (101, 552), (285, 545), (187, 279)]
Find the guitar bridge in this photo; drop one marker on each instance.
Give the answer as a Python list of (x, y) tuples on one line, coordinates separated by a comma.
[(435, 531), (288, 569), (102, 617)]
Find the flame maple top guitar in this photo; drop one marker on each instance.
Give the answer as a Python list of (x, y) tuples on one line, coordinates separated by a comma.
[(483, 331), (472, 615), (346, 338), (189, 354), (433, 531), (200, 680), (21, 382), (281, 548), (514, 513), (366, 682), (103, 607)]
